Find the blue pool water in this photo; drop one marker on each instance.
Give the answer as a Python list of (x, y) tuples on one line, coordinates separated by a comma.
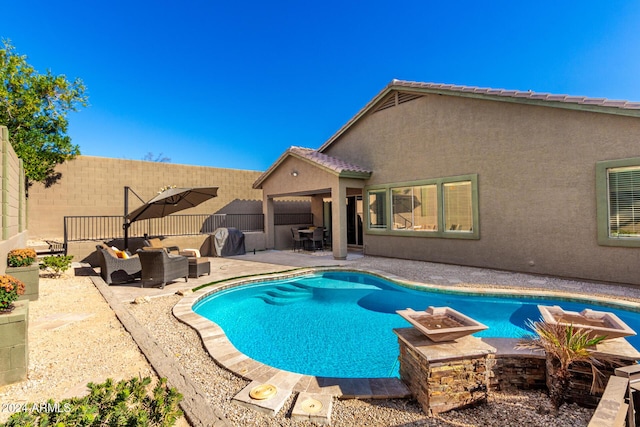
[(339, 324)]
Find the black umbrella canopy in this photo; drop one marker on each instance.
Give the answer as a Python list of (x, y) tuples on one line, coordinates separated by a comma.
[(172, 200)]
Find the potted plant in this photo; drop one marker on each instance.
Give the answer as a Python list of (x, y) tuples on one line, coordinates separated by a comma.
[(21, 265), (10, 289), (13, 331)]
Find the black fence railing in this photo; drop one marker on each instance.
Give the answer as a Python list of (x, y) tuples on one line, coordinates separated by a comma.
[(83, 228), (293, 218)]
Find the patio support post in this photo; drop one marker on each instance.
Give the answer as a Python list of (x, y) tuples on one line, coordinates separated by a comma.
[(269, 222), (125, 222), (317, 210), (339, 220)]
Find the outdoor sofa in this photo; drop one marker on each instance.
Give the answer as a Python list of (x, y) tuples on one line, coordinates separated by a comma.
[(115, 269), (158, 266)]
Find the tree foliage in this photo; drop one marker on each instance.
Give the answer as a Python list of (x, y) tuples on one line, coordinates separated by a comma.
[(160, 158), (34, 108)]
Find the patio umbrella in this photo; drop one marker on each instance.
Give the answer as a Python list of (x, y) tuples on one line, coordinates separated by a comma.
[(171, 201)]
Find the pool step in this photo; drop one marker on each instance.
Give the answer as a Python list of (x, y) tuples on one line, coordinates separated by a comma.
[(281, 294), (286, 294), (299, 285)]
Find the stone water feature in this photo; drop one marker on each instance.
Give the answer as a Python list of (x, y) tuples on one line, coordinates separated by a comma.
[(444, 367)]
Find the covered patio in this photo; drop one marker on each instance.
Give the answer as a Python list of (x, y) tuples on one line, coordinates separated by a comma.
[(326, 180)]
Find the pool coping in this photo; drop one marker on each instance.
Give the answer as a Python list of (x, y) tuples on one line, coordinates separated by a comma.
[(225, 354)]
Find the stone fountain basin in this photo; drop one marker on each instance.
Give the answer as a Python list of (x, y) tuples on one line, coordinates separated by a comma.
[(441, 323), (600, 323)]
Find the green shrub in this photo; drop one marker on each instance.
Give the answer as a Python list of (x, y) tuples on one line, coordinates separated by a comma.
[(127, 403), (57, 264)]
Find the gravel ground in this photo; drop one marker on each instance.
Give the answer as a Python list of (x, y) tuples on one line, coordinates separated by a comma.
[(64, 359)]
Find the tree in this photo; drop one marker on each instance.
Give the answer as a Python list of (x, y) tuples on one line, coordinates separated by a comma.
[(34, 108), (563, 345), (150, 157)]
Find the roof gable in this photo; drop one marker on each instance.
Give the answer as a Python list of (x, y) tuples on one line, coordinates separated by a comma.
[(328, 163), (406, 90)]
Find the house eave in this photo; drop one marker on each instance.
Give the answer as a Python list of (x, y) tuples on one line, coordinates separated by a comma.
[(340, 174)]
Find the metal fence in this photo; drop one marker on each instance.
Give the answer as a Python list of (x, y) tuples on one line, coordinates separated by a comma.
[(293, 218), (83, 228)]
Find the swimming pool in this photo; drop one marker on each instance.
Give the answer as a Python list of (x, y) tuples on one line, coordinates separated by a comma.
[(339, 324)]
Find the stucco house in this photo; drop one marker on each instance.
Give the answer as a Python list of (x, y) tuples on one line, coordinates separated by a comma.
[(512, 180)]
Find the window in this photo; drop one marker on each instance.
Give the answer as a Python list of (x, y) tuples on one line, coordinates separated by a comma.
[(415, 208), (458, 208), (444, 207), (618, 202), (624, 202), (377, 209)]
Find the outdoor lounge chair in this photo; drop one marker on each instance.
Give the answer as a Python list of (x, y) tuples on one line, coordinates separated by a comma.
[(160, 267), (117, 270)]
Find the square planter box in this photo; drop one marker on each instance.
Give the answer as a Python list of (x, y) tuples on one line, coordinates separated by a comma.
[(30, 276), (14, 349)]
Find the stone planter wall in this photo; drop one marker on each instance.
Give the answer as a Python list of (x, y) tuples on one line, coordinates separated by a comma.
[(30, 276), (524, 373), (449, 375), (582, 377), (14, 349), (530, 373), (523, 369)]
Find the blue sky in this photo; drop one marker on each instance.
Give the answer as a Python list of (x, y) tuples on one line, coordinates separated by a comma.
[(234, 84)]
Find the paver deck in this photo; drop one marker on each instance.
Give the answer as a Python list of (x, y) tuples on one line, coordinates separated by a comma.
[(227, 268)]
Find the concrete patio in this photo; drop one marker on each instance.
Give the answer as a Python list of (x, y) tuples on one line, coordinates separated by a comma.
[(262, 262)]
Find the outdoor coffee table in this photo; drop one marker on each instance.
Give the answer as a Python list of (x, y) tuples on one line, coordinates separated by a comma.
[(198, 267)]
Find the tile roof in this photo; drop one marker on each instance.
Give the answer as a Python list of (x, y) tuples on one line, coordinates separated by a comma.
[(604, 102), (329, 162), (340, 167)]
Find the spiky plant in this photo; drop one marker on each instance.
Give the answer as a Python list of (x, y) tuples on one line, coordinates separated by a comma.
[(563, 345)]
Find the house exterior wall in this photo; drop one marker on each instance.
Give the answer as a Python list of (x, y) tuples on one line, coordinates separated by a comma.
[(535, 167), (95, 186), (14, 211)]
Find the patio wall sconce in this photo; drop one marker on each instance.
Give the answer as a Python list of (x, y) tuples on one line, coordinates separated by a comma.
[(294, 173)]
